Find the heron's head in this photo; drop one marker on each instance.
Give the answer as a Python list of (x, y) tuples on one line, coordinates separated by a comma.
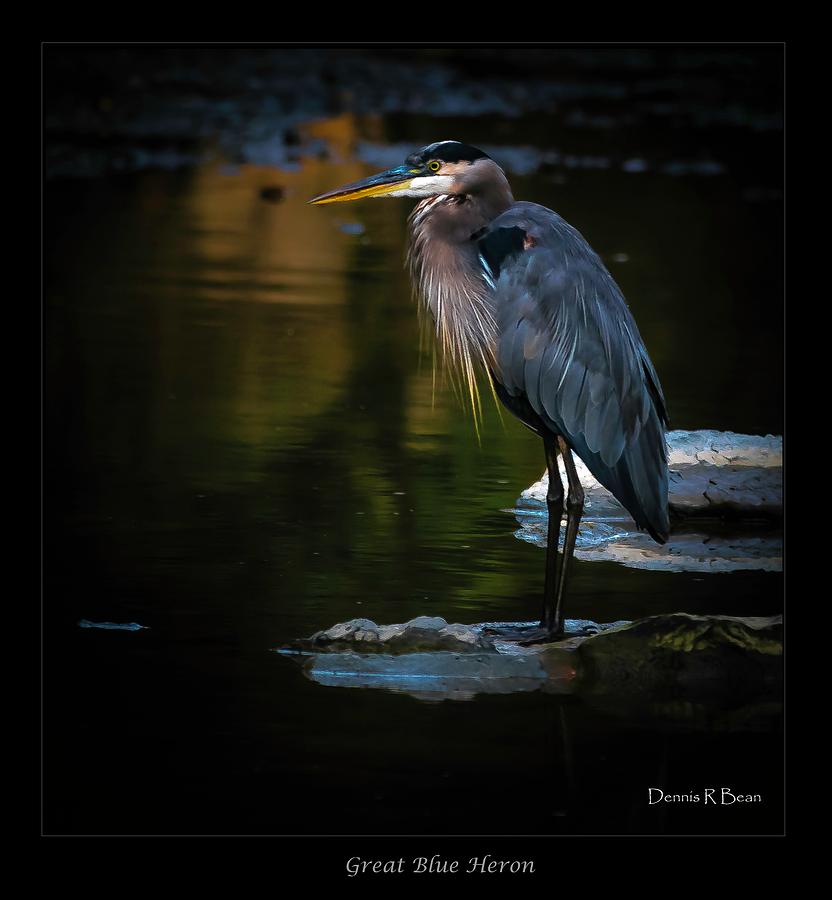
[(446, 167)]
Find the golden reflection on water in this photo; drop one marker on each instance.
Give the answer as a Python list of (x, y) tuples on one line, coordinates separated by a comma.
[(273, 299)]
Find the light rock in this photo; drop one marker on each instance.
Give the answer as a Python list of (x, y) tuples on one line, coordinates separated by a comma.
[(712, 472), (346, 629), (726, 490), (430, 623), (720, 448), (713, 476), (424, 633), (366, 635), (687, 550), (390, 631), (464, 633)]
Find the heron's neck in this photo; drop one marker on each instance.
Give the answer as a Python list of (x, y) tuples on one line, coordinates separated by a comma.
[(448, 277)]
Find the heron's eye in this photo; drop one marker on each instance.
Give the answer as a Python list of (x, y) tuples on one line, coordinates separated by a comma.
[(434, 165)]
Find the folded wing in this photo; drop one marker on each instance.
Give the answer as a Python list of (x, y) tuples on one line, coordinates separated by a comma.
[(570, 358)]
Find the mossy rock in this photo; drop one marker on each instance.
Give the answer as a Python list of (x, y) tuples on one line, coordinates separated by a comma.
[(707, 655)]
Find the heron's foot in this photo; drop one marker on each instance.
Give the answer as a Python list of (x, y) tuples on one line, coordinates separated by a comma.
[(545, 636), (524, 635), (512, 632), (531, 636)]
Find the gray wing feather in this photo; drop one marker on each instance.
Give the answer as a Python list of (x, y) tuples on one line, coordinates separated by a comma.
[(569, 346)]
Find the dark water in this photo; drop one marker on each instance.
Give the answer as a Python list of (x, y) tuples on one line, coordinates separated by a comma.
[(245, 445)]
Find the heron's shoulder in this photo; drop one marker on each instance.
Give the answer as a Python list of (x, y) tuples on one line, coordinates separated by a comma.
[(529, 226), (525, 214), (536, 221)]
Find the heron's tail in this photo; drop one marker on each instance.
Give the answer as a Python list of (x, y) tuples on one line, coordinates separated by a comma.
[(639, 480)]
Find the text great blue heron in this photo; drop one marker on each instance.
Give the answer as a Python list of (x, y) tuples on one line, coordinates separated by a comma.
[(515, 289)]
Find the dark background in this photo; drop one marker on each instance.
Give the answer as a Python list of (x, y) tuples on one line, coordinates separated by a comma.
[(244, 443)]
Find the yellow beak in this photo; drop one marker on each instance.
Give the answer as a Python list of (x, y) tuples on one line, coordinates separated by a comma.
[(389, 182)]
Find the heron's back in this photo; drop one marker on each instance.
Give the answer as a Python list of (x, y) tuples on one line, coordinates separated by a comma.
[(569, 358)]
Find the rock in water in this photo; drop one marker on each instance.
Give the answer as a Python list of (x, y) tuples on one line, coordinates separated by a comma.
[(422, 634), (711, 473), (668, 654), (677, 657), (725, 497)]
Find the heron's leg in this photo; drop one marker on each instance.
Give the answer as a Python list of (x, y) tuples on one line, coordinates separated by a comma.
[(554, 504), (574, 511)]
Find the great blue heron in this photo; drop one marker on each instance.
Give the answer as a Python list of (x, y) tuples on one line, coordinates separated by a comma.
[(514, 288)]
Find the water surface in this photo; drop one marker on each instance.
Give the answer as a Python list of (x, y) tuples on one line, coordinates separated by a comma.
[(246, 443)]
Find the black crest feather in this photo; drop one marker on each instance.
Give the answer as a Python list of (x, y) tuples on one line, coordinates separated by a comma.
[(447, 151)]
